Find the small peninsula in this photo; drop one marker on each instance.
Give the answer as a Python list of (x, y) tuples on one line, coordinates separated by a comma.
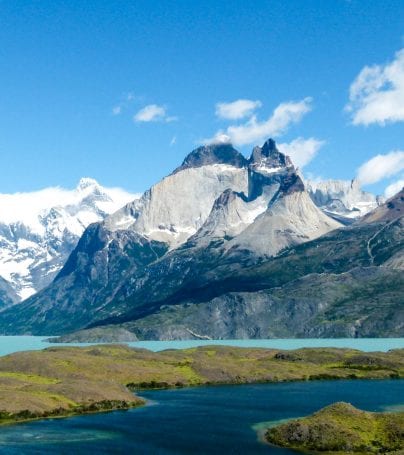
[(62, 381), (341, 428)]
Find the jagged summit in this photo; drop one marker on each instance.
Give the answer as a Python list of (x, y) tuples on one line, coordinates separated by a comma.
[(269, 157), (86, 182), (213, 154), (271, 172), (342, 197), (263, 159)]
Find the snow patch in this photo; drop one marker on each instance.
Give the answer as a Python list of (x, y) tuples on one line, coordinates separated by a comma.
[(38, 230)]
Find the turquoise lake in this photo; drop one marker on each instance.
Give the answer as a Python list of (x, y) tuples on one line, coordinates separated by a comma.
[(198, 420), (10, 344)]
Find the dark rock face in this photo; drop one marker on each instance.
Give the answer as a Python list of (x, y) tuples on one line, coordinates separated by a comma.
[(389, 211), (325, 288), (292, 183), (269, 156), (268, 166), (100, 263), (7, 295), (213, 154), (316, 306)]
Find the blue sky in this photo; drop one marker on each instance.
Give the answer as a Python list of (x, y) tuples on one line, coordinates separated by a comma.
[(75, 78)]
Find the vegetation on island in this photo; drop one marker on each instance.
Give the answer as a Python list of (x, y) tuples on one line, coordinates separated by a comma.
[(61, 381), (341, 428)]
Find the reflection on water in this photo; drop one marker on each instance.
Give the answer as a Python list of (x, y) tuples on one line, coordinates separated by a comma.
[(15, 436), (198, 420)]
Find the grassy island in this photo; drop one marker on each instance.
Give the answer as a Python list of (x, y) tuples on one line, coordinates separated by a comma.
[(61, 381), (341, 428)]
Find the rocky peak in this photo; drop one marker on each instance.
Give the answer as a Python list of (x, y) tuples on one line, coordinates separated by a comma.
[(213, 154), (268, 156), (270, 172), (342, 197), (86, 182)]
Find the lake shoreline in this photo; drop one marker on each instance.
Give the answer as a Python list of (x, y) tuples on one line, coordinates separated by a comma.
[(62, 382), (341, 428), (72, 413), (64, 414)]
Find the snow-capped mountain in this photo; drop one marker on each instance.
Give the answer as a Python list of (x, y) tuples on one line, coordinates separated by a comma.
[(39, 230), (217, 210), (227, 247), (215, 193), (342, 198)]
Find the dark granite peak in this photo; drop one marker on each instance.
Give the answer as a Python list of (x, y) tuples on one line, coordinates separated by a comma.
[(269, 156), (267, 166), (292, 183), (213, 154)]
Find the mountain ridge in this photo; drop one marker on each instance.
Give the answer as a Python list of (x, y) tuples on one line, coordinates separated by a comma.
[(197, 235), (39, 230)]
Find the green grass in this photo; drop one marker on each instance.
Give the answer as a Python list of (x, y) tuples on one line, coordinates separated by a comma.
[(70, 379), (341, 428), (31, 378)]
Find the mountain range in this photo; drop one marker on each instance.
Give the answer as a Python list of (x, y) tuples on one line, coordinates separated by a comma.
[(229, 247), (39, 230)]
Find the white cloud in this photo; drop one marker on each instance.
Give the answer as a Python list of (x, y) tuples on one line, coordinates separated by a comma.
[(301, 151), (171, 118), (255, 131), (153, 113), (173, 141), (116, 110), (150, 113), (377, 93), (381, 167), (237, 109), (394, 188)]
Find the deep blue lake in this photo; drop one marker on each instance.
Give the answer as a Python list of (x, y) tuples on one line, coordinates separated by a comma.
[(202, 420)]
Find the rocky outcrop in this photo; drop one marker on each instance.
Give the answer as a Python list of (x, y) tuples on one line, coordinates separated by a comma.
[(342, 428), (213, 154), (390, 210), (175, 208), (8, 296), (342, 198)]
